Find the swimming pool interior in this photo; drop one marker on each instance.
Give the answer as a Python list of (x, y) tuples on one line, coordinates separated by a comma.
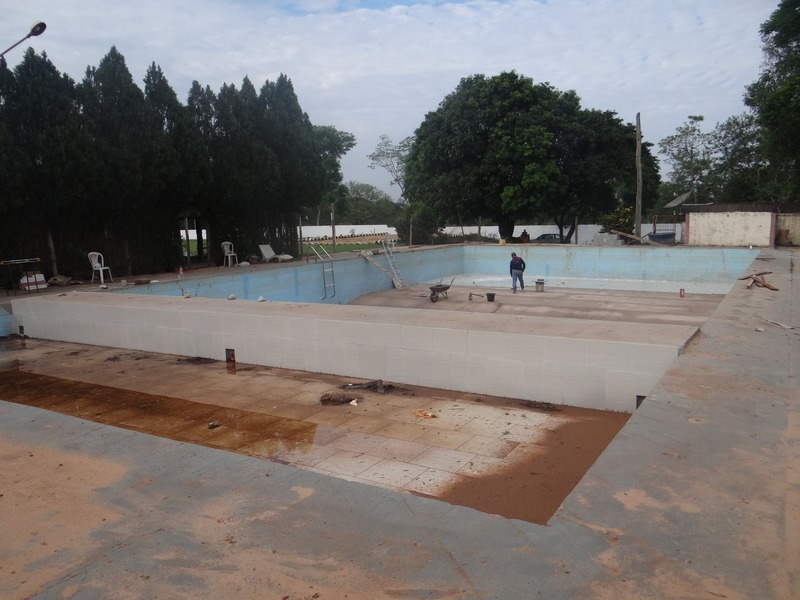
[(609, 364), (696, 270)]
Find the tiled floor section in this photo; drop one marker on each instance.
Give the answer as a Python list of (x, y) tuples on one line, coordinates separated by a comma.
[(383, 440)]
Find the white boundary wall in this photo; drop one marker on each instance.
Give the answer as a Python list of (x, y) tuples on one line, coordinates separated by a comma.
[(587, 363), (730, 229)]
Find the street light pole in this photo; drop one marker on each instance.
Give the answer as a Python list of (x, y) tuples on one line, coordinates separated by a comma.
[(37, 29)]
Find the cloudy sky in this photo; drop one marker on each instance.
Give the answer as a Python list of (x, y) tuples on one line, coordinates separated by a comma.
[(372, 67)]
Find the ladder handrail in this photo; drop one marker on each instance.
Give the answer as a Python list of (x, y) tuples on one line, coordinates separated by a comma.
[(388, 245), (325, 284), (369, 257)]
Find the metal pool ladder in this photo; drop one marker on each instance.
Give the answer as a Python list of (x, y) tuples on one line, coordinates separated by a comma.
[(327, 269), (388, 246)]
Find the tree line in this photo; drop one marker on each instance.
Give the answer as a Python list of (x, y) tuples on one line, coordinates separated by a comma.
[(753, 157), (506, 149), (105, 165)]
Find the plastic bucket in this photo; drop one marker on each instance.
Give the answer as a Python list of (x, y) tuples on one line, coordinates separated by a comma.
[(490, 296)]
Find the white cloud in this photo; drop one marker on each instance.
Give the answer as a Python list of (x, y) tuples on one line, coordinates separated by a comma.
[(378, 67)]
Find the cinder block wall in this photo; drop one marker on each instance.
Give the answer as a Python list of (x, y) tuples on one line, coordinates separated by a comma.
[(478, 353)]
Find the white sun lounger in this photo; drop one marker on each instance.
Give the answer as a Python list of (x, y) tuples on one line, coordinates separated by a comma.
[(269, 254)]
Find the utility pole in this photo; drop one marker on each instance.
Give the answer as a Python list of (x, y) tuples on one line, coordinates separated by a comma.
[(333, 224), (638, 218)]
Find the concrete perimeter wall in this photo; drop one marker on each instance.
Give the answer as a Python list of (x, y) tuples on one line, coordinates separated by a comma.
[(730, 229), (586, 363)]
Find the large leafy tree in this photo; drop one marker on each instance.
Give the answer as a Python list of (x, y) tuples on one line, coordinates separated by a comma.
[(505, 148), (740, 172), (775, 96), (726, 164), (596, 153), (482, 153)]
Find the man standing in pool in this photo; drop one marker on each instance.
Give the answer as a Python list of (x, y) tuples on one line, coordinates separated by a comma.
[(517, 267)]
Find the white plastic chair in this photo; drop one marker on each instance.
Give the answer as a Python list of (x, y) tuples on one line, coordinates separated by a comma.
[(98, 264), (230, 254)]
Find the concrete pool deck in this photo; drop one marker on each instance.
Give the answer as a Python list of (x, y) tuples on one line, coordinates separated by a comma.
[(697, 497)]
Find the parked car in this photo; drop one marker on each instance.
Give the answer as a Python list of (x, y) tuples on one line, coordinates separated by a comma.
[(548, 238)]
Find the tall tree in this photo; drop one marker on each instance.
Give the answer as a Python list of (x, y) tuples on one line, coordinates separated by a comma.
[(246, 170), (482, 153), (690, 153), (173, 147), (740, 172), (332, 145), (45, 137), (120, 123), (775, 96), (200, 105), (506, 148), (392, 158), (303, 173)]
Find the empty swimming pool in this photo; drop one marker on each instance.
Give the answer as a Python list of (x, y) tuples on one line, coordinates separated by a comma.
[(588, 362), (696, 270)]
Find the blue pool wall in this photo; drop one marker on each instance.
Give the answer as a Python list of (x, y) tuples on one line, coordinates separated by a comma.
[(354, 276)]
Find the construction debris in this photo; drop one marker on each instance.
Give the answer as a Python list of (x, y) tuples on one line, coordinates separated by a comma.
[(758, 279), (334, 398), (636, 237), (787, 327), (422, 414), (375, 384), (548, 406)]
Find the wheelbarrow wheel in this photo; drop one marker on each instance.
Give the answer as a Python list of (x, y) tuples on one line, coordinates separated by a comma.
[(434, 296)]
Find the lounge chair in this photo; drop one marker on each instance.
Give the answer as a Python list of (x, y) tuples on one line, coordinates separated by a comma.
[(269, 254)]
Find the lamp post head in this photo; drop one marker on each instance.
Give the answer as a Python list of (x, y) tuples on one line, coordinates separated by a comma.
[(38, 28)]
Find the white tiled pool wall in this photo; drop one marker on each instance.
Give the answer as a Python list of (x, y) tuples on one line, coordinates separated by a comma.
[(696, 270), (402, 346), (419, 347)]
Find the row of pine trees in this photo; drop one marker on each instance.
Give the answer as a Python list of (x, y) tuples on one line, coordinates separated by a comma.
[(103, 165)]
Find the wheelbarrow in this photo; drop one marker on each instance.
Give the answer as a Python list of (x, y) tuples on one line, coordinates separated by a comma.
[(440, 289)]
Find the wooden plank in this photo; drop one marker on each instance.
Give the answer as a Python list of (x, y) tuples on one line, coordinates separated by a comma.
[(635, 237)]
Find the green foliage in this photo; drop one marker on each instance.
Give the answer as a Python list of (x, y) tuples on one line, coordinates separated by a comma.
[(364, 204), (690, 152), (103, 165), (775, 97), (418, 225), (392, 158), (505, 148), (620, 219)]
